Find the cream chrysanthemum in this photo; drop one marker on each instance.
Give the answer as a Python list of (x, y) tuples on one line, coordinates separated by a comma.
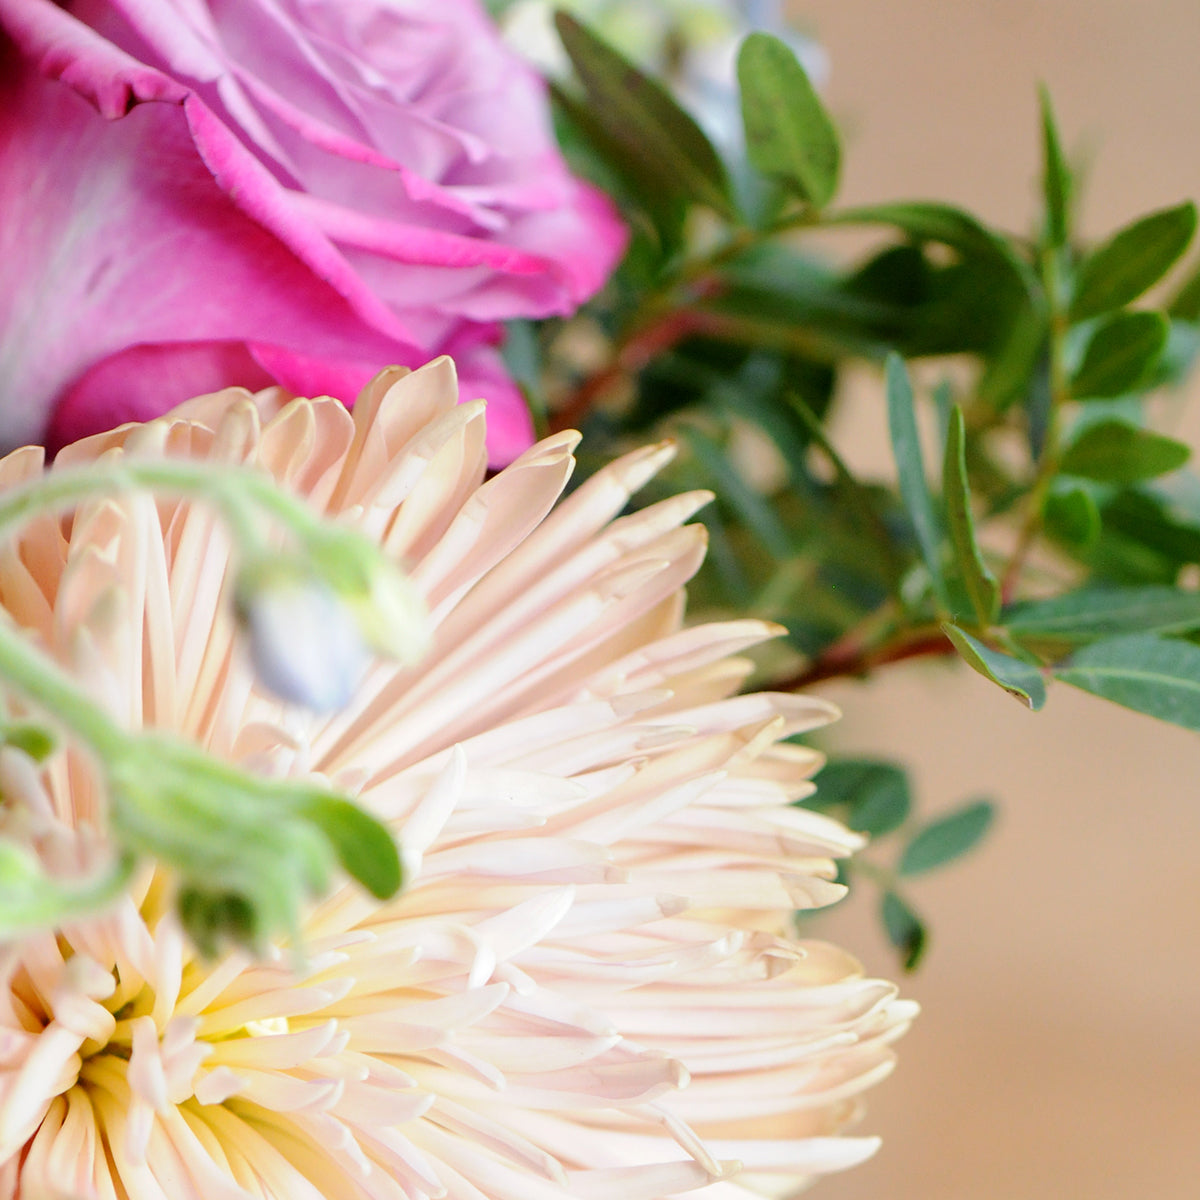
[(590, 988)]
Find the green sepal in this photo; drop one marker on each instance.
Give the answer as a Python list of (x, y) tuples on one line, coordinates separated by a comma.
[(364, 847)]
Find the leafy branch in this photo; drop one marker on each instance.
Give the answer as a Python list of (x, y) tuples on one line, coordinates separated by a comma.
[(1055, 541)]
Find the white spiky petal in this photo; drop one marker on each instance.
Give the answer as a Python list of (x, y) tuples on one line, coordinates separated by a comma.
[(591, 987)]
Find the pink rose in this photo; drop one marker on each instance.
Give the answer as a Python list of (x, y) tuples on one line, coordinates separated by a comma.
[(195, 193)]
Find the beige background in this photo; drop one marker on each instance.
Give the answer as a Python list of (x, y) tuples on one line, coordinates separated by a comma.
[(1058, 1055)]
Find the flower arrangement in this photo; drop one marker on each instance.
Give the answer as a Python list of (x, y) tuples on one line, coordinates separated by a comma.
[(377, 821)]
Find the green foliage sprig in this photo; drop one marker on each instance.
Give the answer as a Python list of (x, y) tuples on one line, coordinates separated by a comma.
[(1060, 542)]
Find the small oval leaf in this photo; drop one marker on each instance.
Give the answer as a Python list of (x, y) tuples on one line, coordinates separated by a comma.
[(1120, 355), (1134, 259), (788, 132), (876, 793), (1114, 451), (1072, 516), (947, 838)]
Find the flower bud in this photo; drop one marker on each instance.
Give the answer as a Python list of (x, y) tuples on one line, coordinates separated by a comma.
[(305, 644)]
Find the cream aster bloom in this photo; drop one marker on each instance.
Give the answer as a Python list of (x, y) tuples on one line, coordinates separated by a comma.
[(591, 987)]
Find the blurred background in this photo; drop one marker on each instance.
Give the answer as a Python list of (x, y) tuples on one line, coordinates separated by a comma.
[(1059, 1052)]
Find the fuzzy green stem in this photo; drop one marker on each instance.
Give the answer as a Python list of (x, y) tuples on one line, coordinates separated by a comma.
[(41, 680)]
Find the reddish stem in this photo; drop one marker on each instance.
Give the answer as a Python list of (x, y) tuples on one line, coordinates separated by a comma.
[(634, 356), (849, 658)]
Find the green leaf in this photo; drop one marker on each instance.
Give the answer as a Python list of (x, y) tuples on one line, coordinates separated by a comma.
[(1120, 354), (1133, 260), (1093, 613), (1007, 375), (1185, 306), (979, 582), (1156, 523), (1114, 451), (754, 509), (1071, 516), (1177, 359), (639, 114), (904, 929), (656, 212), (1056, 176), (1017, 678), (363, 845), (1150, 674), (862, 504), (947, 838), (932, 222), (914, 490), (876, 793), (788, 132)]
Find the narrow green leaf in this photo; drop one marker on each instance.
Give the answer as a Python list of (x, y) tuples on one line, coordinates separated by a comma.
[(788, 132), (1008, 374), (1150, 674), (904, 929), (1093, 613), (1134, 259), (656, 212), (876, 793), (1120, 355), (1071, 515), (858, 497), (981, 587), (914, 490), (947, 838), (1056, 176), (754, 509), (641, 115), (363, 846), (1019, 679), (1114, 451)]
